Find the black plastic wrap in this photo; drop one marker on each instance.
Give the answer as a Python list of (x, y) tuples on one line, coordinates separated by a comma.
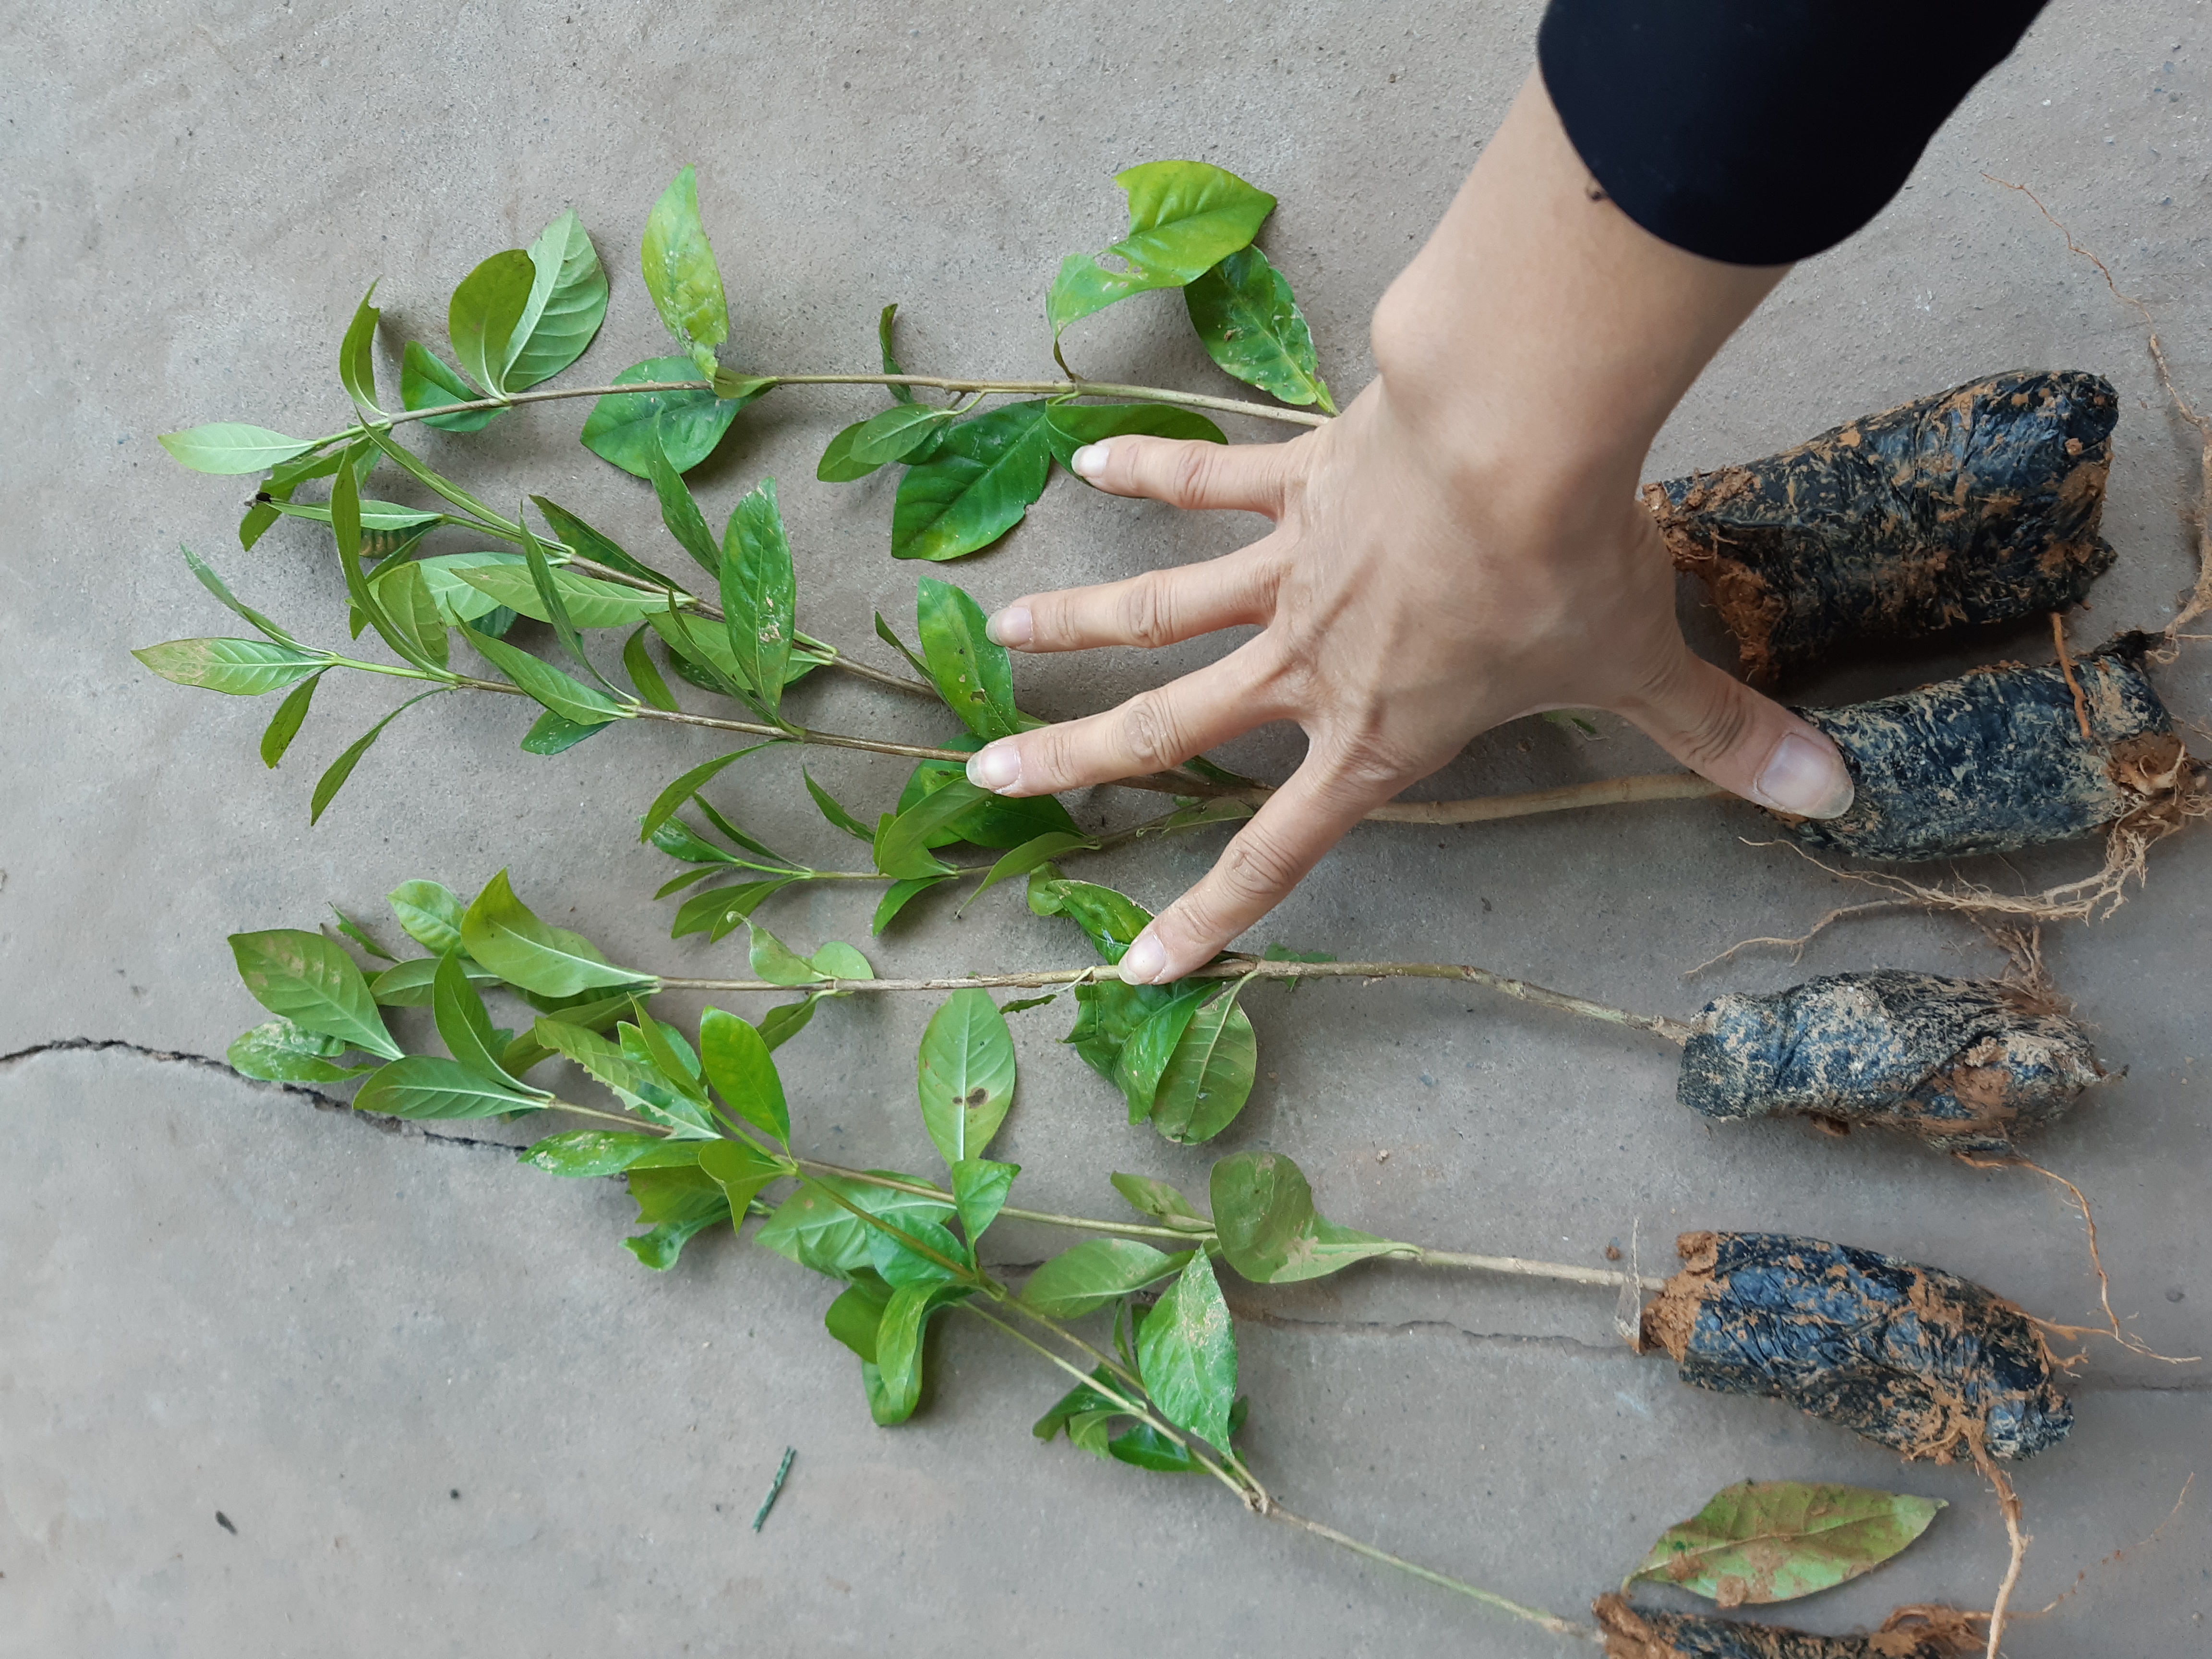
[(1913, 1357), (1995, 760), (1977, 505), (1963, 1064), (1633, 1632)]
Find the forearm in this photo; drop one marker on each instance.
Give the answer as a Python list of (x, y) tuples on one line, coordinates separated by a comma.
[(1541, 327)]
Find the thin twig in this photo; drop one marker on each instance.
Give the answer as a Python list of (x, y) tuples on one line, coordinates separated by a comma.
[(1038, 388), (1238, 968), (1550, 1621)]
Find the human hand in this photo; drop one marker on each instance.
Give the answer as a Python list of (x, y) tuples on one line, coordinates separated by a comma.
[(1454, 551)]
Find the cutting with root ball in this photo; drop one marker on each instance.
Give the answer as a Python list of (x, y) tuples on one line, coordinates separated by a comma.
[(1973, 506), (1632, 1632)]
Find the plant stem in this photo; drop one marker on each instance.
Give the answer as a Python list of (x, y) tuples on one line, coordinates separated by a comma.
[(942, 383), (1550, 1621), (1245, 968), (1523, 1267)]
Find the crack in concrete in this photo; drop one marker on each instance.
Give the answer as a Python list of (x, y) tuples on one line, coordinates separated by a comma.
[(1572, 1346)]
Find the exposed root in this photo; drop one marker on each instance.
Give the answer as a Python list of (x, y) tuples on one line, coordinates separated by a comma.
[(2093, 899), (2066, 667), (2197, 600), (2008, 1502), (2024, 970), (2082, 1577), (2133, 1344)]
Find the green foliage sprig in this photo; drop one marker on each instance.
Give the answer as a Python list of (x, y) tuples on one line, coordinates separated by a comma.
[(703, 1133)]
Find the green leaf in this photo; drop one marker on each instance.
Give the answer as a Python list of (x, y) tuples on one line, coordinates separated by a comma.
[(586, 543), (898, 895), (550, 734), (1251, 326), (410, 607), (284, 1052), (922, 1262), (1761, 1541), (901, 844), (429, 1086), (736, 1058), (446, 579), (1161, 1201), (721, 912), (741, 1170), (568, 301), (335, 775), (482, 317), (1071, 426), (1184, 218), (357, 357), (428, 912), (216, 585), (585, 1152), (602, 1061), (660, 1249), (345, 530), (1187, 1355), (977, 486), (1086, 1277), (678, 1192), (786, 1020), (813, 1231), (994, 820), (965, 1074), (666, 804), (1080, 1400), (644, 677), (680, 273), (313, 983), (827, 804), (241, 668), (679, 511), (1111, 920), (889, 636), (229, 446), (898, 1351), (553, 602), (589, 602), (777, 963), (411, 984), (465, 1028), (1107, 1013), (759, 593), (974, 675), (1144, 1057), (854, 1316), (1209, 1076), (593, 1018), (624, 427), (903, 394), (546, 684), (425, 382), (979, 1192), (354, 931), (1037, 850), (500, 932), (839, 961), (1270, 1231), (892, 435), (837, 465)]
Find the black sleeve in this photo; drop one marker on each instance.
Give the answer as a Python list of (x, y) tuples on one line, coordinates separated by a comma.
[(1759, 132)]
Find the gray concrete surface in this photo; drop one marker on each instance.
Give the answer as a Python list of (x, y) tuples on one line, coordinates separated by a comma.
[(219, 1296)]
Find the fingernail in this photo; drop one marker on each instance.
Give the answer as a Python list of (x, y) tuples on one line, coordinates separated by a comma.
[(1144, 960), (995, 767), (1807, 778), (1089, 461), (1012, 626)]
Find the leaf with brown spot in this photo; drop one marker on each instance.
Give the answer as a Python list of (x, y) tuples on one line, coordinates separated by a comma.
[(1759, 1542), (966, 1074)]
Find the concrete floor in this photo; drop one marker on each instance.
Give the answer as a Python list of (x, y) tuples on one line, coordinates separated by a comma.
[(437, 1404)]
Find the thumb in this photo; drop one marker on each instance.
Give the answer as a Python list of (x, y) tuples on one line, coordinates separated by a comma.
[(1752, 745)]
